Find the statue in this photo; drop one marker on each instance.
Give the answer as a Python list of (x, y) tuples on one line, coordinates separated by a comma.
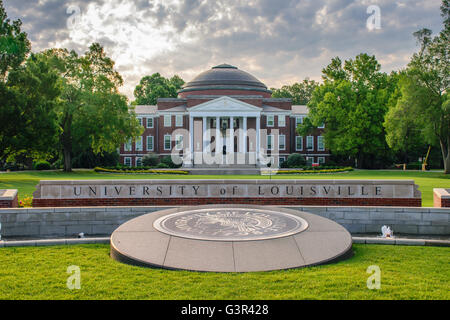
[(387, 232)]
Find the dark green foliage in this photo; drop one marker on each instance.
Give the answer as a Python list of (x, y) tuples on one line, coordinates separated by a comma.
[(167, 160), (150, 160), (299, 93), (295, 160), (88, 159), (42, 165), (163, 166), (150, 88)]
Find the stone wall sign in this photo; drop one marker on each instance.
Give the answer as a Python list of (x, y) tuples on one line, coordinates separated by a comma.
[(179, 192)]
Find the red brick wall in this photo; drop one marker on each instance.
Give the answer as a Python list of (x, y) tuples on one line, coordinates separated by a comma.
[(9, 203), (225, 93), (441, 203), (202, 201)]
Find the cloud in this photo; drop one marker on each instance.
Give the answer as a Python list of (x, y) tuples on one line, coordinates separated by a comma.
[(280, 42)]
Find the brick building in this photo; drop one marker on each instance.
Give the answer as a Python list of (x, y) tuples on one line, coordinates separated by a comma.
[(225, 102)]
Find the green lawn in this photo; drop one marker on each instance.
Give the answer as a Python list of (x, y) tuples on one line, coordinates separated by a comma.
[(26, 181), (406, 273)]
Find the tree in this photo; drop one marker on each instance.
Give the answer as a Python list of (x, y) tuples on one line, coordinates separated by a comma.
[(28, 110), (300, 93), (14, 44), (352, 102), (28, 91), (403, 126), (150, 88), (425, 89), (91, 113)]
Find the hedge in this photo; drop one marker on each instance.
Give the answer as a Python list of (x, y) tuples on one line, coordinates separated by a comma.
[(287, 171), (150, 171)]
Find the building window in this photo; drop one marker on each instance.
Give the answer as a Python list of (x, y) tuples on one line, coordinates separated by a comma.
[(310, 143), (322, 126), (128, 146), (139, 162), (321, 160), (179, 121), (139, 145), (281, 160), (150, 124), (270, 142), (167, 142), (179, 142), (270, 121), (298, 143), (282, 142), (150, 143), (140, 121), (309, 161), (320, 144), (128, 162), (167, 121), (282, 121), (298, 121)]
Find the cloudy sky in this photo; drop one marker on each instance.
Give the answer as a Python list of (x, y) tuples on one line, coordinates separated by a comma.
[(278, 41)]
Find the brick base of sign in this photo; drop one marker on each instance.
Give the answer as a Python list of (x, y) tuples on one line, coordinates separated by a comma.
[(9, 203), (441, 203), (441, 198), (384, 202)]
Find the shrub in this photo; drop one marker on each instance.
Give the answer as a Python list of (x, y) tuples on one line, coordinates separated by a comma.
[(150, 160), (168, 161), (295, 160), (162, 166), (42, 165)]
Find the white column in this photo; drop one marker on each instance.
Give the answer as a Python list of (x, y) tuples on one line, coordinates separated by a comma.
[(244, 136), (204, 135), (258, 137), (231, 142), (218, 138), (191, 137)]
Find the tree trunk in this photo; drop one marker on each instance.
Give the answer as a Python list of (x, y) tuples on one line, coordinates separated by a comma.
[(445, 148), (66, 139)]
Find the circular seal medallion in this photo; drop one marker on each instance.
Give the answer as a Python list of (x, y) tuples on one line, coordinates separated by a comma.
[(230, 224)]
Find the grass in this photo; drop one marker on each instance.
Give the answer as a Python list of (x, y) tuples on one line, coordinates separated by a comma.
[(27, 181), (41, 273)]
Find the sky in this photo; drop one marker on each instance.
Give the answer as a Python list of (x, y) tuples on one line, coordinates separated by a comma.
[(280, 42)]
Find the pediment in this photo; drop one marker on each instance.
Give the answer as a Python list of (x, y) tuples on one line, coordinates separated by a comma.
[(225, 104)]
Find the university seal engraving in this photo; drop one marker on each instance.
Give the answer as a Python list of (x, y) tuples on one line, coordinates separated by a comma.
[(230, 224)]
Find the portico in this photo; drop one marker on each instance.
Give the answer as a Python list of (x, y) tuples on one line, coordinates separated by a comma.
[(224, 131)]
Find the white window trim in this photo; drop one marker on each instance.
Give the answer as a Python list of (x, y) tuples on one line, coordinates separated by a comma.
[(310, 158), (301, 138), (141, 121), (322, 126), (167, 124), (170, 137), (273, 121), (140, 141), (177, 123), (318, 159), (318, 144), (177, 147), (153, 143), (298, 122), (279, 144), (279, 160), (130, 144), (273, 142), (125, 161), (153, 122), (137, 158), (281, 124), (307, 138)]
